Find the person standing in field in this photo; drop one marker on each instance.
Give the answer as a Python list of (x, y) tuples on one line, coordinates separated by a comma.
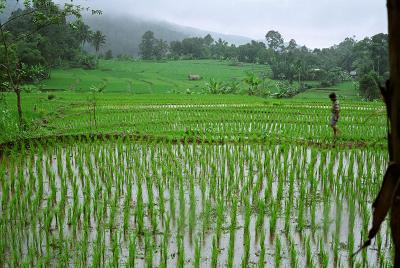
[(335, 113)]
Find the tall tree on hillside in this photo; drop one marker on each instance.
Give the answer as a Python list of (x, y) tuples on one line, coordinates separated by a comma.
[(146, 47), (274, 40), (208, 40), (219, 49), (292, 44), (345, 54), (379, 53), (98, 40)]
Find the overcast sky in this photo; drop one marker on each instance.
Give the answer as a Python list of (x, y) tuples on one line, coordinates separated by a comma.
[(315, 23)]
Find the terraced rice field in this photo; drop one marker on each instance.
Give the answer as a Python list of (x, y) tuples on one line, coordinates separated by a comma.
[(190, 183)]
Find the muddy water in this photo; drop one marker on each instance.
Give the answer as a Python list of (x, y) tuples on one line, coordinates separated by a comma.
[(93, 174)]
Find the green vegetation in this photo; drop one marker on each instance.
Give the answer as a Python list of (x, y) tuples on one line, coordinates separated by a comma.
[(329, 66), (150, 77), (227, 117), (346, 91), (76, 202), (192, 155)]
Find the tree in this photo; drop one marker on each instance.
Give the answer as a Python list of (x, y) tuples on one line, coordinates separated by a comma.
[(194, 47), (274, 40), (83, 31), (160, 49), (208, 40), (98, 40), (43, 13), (292, 44), (146, 47), (345, 55), (369, 88), (379, 53), (252, 52), (108, 55), (219, 49), (176, 48)]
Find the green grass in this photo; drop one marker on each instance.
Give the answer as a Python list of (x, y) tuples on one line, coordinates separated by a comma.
[(345, 90), (149, 76), (121, 109), (197, 115), (64, 199)]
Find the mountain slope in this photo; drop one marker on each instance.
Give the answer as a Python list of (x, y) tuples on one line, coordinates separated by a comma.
[(124, 33)]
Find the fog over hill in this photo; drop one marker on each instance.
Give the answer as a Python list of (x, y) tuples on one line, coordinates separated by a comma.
[(124, 32)]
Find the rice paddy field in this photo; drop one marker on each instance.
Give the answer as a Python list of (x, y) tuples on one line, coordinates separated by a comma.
[(191, 181), (141, 77)]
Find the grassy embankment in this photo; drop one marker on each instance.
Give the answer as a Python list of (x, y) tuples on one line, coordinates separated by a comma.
[(121, 110)]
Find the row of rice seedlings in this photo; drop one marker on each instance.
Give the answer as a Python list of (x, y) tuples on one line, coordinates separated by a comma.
[(232, 233), (246, 234), (87, 207)]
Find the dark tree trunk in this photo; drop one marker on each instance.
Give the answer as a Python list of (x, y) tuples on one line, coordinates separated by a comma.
[(393, 103)]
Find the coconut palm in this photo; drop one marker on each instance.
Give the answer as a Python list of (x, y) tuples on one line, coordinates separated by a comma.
[(98, 39), (84, 33)]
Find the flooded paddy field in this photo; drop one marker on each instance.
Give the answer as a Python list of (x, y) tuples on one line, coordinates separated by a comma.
[(158, 204)]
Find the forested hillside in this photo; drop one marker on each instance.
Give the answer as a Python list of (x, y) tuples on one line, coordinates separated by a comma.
[(124, 33)]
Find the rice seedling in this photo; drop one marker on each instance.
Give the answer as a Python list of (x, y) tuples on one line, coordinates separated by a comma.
[(261, 258), (273, 218), (214, 254), (220, 218), (197, 254), (148, 250), (323, 255), (246, 234), (164, 246), (206, 216), (139, 213), (309, 259), (260, 216), (182, 208), (181, 251), (232, 230), (277, 253)]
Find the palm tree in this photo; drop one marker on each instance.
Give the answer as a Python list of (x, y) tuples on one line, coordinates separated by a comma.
[(98, 39), (83, 32)]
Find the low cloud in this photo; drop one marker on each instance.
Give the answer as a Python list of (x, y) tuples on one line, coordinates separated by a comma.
[(315, 23)]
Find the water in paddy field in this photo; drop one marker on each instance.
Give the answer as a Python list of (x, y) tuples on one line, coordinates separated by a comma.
[(81, 205)]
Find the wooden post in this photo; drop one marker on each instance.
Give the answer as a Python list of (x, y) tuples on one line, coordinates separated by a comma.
[(393, 103)]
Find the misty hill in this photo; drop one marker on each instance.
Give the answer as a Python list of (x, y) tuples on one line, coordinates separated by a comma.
[(124, 33), (10, 7)]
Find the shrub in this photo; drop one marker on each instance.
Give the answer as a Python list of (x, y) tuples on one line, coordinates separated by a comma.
[(368, 86), (34, 73), (108, 55), (88, 62)]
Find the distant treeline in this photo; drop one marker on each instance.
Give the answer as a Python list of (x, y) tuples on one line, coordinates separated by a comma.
[(366, 60)]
